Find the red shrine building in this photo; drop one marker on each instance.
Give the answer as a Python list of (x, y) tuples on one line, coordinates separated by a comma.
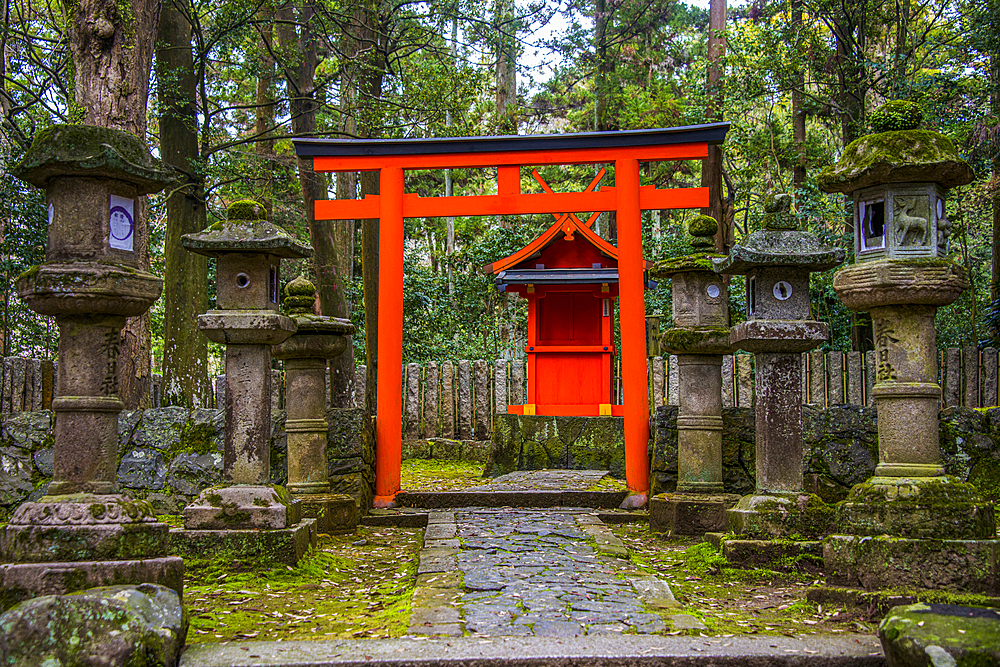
[(569, 275)]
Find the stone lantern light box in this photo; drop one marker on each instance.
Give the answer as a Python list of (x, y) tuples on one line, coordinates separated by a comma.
[(898, 220)]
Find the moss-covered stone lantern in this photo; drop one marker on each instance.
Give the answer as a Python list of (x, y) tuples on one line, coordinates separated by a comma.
[(910, 525), (699, 337), (777, 261), (83, 533), (317, 339), (248, 250)]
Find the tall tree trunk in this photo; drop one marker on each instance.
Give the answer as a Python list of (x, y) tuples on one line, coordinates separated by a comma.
[(506, 74), (603, 118), (331, 241), (370, 67), (448, 185), (849, 33), (111, 42), (798, 112), (342, 366), (995, 184), (185, 355), (711, 171), (264, 108)]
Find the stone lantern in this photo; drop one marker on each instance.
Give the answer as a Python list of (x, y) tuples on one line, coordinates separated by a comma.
[(777, 261), (317, 340), (909, 525), (699, 337), (246, 319), (83, 533)]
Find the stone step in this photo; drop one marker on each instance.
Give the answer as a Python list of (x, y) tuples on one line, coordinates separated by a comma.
[(514, 498), (589, 651)]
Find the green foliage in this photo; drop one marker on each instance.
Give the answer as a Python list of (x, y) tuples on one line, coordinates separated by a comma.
[(22, 245)]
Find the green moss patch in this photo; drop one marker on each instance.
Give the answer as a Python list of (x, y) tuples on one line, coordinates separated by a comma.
[(732, 601), (897, 156), (439, 475), (347, 588)]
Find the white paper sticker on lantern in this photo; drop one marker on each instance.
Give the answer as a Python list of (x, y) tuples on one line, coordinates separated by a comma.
[(121, 223), (782, 290)]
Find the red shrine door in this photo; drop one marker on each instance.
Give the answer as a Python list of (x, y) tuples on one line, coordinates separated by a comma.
[(391, 157)]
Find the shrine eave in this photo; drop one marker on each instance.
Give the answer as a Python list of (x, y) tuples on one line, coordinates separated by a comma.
[(711, 133), (559, 277)]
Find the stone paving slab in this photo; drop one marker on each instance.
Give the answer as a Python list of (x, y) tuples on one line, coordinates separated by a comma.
[(608, 650), (654, 591)]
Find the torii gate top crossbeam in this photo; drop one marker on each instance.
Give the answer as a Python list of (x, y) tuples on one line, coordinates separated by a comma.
[(676, 143)]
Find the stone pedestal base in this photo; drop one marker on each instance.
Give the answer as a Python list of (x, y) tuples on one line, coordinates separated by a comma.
[(67, 543), (22, 581), (688, 513), (781, 516), (242, 507), (285, 545), (773, 554), (883, 562), (335, 513), (934, 508)]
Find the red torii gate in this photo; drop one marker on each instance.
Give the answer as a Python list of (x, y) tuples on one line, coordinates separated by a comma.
[(391, 157)]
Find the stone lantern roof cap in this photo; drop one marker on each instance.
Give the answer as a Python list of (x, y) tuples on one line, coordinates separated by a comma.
[(702, 229), (246, 230), (92, 151), (898, 151), (300, 295), (779, 244)]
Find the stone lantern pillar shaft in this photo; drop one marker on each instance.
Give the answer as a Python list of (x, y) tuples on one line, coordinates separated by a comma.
[(778, 411), (247, 457), (317, 339), (305, 382), (906, 392), (699, 424), (87, 407)]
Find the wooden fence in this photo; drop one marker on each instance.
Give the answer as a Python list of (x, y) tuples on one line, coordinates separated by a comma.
[(458, 399)]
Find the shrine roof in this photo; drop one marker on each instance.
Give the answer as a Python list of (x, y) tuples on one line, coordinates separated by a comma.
[(567, 227), (711, 133)]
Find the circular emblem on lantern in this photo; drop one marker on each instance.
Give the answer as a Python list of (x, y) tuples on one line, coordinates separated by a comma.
[(782, 290), (713, 291), (121, 223)]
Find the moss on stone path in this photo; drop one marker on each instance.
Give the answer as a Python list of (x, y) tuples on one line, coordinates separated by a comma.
[(352, 586), (440, 475), (732, 601)]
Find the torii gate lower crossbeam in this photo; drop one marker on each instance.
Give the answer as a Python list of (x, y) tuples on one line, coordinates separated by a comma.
[(508, 154)]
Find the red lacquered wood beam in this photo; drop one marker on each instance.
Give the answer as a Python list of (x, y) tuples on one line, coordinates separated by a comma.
[(633, 327), (389, 414), (415, 206)]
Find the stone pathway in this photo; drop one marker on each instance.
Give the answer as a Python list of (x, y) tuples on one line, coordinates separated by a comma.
[(522, 572)]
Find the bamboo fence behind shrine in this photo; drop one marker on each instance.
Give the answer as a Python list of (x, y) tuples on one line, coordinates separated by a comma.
[(458, 399)]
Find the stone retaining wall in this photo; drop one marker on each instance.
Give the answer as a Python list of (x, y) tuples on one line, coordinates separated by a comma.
[(841, 448), (168, 455)]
